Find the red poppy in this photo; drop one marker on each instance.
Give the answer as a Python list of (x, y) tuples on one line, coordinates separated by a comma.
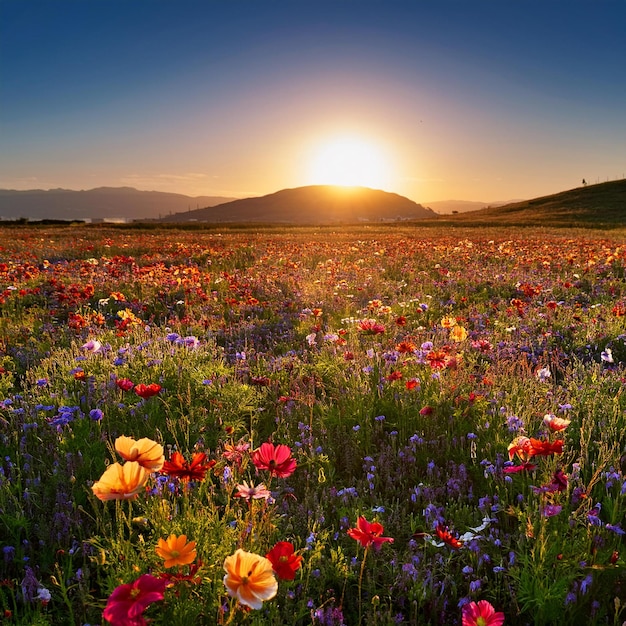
[(369, 533), (277, 460), (445, 536), (125, 384), (370, 327), (147, 391), (127, 602), (179, 467), (284, 562), (539, 447)]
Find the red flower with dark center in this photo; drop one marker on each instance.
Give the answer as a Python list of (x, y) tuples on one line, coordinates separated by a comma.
[(369, 533), (277, 460), (445, 536), (196, 470), (284, 562), (127, 602), (147, 391), (437, 359)]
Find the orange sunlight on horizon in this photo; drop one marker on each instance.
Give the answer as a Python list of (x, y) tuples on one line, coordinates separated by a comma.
[(349, 161)]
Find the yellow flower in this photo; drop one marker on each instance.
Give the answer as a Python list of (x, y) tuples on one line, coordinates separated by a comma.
[(249, 578), (448, 322), (121, 482), (176, 551), (147, 453), (458, 333)]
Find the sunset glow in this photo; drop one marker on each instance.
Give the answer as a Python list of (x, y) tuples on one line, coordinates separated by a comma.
[(349, 161)]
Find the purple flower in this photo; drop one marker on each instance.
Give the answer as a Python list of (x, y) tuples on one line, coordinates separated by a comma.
[(96, 415)]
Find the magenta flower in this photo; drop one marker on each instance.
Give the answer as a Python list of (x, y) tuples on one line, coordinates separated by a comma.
[(127, 603)]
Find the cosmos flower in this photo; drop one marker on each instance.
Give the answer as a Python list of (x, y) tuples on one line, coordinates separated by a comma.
[(146, 452), (196, 470), (249, 578), (284, 561), (121, 482), (175, 550), (369, 533), (92, 346), (481, 613), (127, 602), (370, 327), (277, 460), (252, 491)]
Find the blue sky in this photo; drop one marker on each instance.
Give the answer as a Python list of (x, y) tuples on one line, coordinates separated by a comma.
[(450, 99)]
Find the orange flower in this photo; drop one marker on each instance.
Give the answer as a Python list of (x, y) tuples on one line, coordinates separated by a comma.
[(539, 447), (249, 578), (147, 453), (196, 470), (175, 550), (445, 536), (121, 482), (521, 447), (458, 334)]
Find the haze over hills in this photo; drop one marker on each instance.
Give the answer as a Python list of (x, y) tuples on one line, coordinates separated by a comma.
[(444, 207), (111, 203), (603, 204), (313, 204)]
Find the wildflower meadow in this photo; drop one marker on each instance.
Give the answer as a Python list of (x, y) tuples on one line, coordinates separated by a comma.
[(332, 426)]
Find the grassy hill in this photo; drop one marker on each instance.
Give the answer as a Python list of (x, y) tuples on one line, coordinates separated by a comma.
[(602, 205), (314, 204)]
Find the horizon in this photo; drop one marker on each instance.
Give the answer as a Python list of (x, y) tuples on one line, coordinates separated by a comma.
[(434, 103)]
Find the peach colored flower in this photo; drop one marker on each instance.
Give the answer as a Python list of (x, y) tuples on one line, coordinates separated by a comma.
[(147, 453), (555, 423), (121, 482), (249, 578), (175, 550)]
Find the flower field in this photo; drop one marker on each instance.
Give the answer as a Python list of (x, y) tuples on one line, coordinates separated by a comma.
[(376, 425)]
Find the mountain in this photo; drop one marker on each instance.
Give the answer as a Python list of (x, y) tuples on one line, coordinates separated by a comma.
[(111, 203), (314, 204), (603, 205)]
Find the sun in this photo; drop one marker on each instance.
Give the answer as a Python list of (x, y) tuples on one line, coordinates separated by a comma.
[(349, 161)]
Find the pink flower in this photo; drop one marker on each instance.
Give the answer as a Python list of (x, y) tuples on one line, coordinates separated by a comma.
[(481, 614), (127, 602), (252, 491), (275, 459)]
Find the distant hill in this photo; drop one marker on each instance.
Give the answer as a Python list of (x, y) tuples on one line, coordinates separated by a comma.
[(444, 207), (315, 204), (603, 204), (110, 203)]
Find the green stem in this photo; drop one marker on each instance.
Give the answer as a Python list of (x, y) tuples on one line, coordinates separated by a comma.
[(361, 584)]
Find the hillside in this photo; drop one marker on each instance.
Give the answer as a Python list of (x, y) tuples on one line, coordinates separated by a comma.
[(315, 204), (603, 204), (124, 203)]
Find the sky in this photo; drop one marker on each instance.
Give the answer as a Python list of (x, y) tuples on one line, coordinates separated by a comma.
[(435, 100)]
